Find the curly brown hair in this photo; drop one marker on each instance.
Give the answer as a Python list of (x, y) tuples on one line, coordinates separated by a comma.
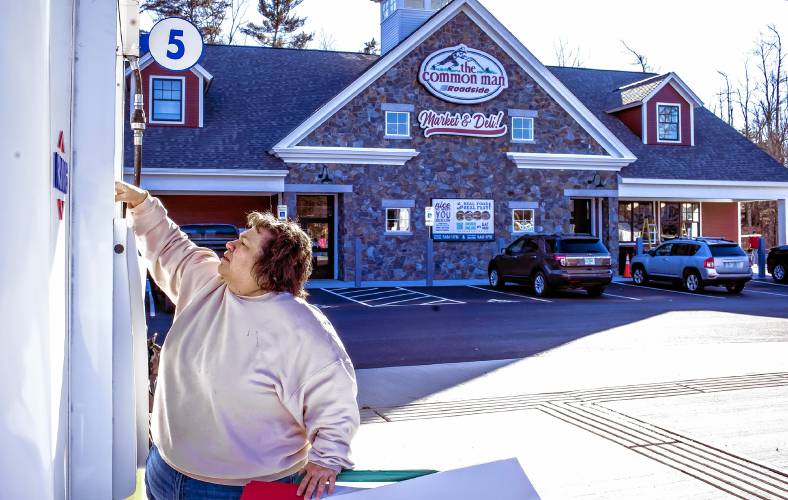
[(285, 262)]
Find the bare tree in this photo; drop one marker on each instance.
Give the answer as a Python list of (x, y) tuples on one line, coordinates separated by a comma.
[(567, 56), (370, 47), (743, 97), (237, 14), (325, 40), (279, 25), (640, 59), (726, 99), (206, 15)]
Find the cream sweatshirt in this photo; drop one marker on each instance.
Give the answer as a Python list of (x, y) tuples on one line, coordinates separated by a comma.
[(249, 388)]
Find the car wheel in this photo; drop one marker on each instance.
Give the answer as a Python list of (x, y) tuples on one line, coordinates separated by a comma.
[(735, 287), (778, 274), (639, 276), (595, 291), (692, 282), (496, 280), (540, 284)]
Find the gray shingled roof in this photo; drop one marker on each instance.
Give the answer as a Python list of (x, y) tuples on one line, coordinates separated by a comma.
[(258, 95), (720, 152), (637, 93)]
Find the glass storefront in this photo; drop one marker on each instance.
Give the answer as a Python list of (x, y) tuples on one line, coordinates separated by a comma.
[(679, 219), (316, 217), (633, 217)]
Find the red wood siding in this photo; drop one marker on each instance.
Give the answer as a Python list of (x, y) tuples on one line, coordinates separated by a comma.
[(720, 219), (192, 95), (206, 209), (632, 119), (668, 95)]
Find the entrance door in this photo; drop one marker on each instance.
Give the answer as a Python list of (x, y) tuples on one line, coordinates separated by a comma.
[(581, 216), (316, 217)]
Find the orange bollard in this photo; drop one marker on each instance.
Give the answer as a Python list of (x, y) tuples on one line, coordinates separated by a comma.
[(627, 270)]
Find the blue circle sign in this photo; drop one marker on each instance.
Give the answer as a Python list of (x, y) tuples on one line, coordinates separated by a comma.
[(175, 43)]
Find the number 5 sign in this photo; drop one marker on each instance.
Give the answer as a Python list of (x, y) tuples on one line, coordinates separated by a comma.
[(175, 43)]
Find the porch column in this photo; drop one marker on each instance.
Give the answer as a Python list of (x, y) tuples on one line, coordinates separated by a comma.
[(782, 221)]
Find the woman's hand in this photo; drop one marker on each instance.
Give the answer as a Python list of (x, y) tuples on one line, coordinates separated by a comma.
[(314, 481), (130, 194)]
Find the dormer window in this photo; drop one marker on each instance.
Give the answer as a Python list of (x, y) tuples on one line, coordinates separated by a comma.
[(167, 103), (668, 119)]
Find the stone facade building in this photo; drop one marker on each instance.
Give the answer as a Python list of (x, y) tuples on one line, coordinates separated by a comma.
[(456, 115)]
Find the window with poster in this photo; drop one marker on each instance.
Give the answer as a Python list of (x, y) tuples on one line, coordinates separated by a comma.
[(679, 219), (523, 220)]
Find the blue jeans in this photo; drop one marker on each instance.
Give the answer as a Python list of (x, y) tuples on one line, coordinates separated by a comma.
[(162, 482)]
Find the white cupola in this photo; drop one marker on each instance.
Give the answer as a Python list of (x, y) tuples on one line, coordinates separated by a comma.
[(400, 18)]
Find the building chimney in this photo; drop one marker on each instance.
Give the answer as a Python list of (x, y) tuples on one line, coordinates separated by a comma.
[(400, 18)]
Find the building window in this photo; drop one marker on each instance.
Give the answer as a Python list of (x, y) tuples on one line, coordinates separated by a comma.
[(397, 124), (437, 4), (388, 7), (522, 128), (167, 100), (690, 220), (523, 220), (668, 122), (397, 220), (633, 217), (414, 4), (679, 219)]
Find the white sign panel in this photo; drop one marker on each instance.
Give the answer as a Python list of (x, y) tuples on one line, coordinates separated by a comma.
[(463, 75), (429, 216), (476, 124), (281, 211), (175, 43), (463, 220)]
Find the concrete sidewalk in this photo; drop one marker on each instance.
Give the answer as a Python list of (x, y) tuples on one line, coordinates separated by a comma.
[(632, 412)]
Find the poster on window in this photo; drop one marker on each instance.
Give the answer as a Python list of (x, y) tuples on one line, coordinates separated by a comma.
[(463, 220)]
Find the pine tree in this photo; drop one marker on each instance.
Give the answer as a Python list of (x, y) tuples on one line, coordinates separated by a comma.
[(279, 25), (206, 15)]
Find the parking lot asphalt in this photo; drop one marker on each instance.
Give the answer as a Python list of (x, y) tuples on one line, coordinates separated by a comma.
[(394, 326)]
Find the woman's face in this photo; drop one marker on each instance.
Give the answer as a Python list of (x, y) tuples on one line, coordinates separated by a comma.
[(237, 264)]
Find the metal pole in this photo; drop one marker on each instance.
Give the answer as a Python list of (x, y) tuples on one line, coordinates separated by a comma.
[(430, 260), (357, 248), (761, 257), (137, 121)]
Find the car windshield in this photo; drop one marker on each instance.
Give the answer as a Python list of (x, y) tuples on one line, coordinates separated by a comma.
[(732, 250), (580, 246), (210, 231)]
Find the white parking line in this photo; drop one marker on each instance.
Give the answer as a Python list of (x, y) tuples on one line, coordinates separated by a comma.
[(621, 296), (389, 297), (362, 290), (434, 296), (767, 293), (370, 294), (347, 298), (670, 291), (512, 294)]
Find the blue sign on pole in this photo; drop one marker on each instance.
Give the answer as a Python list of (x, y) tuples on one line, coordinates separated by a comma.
[(59, 173)]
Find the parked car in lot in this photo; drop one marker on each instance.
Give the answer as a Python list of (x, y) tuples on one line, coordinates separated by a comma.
[(695, 263), (213, 236), (777, 263), (552, 261)]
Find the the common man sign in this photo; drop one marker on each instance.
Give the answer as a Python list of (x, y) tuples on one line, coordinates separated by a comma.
[(463, 75)]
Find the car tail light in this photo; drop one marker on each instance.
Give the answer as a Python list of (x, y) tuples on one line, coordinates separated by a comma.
[(604, 261), (709, 263), (559, 259)]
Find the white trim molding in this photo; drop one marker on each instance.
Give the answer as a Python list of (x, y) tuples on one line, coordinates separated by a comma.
[(699, 189), (351, 156), (499, 35), (203, 181), (318, 188), (549, 161)]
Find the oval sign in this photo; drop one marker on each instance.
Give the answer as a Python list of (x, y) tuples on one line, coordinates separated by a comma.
[(463, 75)]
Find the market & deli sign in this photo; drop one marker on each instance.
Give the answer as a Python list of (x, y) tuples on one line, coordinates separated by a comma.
[(463, 75), (470, 124)]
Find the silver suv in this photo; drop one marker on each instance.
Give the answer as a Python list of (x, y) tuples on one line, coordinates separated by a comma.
[(695, 263)]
